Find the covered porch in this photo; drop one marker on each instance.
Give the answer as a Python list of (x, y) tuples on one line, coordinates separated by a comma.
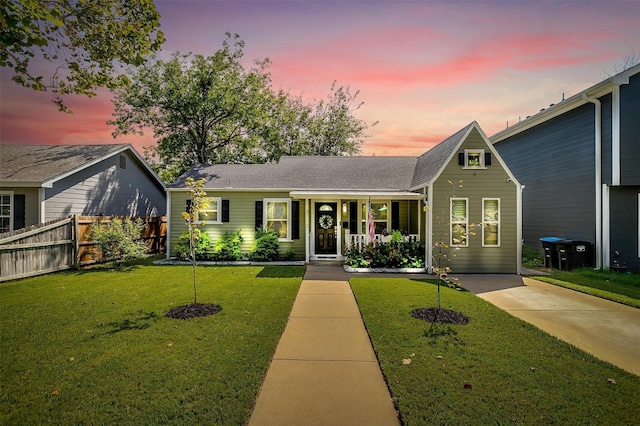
[(335, 220)]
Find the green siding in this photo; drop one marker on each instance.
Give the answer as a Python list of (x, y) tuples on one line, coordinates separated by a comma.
[(241, 218), (477, 184)]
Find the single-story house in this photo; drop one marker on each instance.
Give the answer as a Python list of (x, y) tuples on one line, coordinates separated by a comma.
[(579, 161), (460, 192), (40, 183)]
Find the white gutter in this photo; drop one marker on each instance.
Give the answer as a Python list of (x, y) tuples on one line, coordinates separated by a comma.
[(598, 174)]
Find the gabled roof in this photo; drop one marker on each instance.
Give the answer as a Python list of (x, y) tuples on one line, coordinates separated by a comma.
[(595, 91), (430, 163), (43, 165), (333, 173)]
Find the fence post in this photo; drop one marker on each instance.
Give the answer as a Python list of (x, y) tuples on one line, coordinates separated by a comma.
[(76, 241)]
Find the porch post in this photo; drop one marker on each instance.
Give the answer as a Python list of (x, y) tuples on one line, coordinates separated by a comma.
[(428, 246), (306, 230)]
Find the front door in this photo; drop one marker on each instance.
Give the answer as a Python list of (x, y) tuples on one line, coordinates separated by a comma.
[(326, 215)]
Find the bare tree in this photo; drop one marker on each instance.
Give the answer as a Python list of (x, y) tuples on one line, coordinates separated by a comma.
[(630, 60)]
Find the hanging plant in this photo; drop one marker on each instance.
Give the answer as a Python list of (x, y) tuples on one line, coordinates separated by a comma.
[(325, 221)]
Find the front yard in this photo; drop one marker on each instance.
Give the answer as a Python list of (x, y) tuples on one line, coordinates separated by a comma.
[(495, 370), (93, 347)]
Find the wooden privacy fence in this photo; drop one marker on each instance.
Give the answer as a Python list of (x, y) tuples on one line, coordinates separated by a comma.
[(63, 244)]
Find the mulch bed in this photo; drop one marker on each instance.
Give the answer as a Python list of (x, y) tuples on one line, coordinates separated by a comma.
[(442, 316), (193, 310)]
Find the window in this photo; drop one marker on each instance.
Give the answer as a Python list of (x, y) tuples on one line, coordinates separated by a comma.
[(380, 213), (123, 161), (213, 213), (5, 212), (490, 222), (474, 159), (459, 223), (277, 217)]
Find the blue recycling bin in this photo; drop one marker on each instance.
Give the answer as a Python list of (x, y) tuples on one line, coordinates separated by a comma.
[(550, 251)]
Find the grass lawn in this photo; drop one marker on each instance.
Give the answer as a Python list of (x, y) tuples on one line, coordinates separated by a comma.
[(513, 372), (619, 287), (93, 347)]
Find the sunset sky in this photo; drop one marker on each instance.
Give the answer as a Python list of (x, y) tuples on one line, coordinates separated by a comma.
[(424, 69)]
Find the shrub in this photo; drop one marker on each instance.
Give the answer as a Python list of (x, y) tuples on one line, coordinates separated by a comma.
[(227, 247), (201, 240), (531, 257), (290, 254), (265, 247), (398, 254), (119, 240)]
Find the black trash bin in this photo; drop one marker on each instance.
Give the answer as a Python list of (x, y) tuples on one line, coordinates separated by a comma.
[(574, 254), (550, 252)]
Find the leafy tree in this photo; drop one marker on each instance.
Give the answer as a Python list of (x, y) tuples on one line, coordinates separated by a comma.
[(119, 240), (87, 40), (211, 110), (203, 111), (198, 203)]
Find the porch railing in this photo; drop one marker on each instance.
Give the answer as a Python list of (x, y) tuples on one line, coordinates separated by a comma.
[(358, 240)]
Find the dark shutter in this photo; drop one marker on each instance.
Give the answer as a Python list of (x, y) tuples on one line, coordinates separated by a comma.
[(188, 207), (295, 220), (461, 158), (487, 158), (258, 217), (18, 211), (395, 216), (353, 217), (225, 210)]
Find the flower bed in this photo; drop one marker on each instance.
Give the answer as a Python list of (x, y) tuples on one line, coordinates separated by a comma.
[(394, 255)]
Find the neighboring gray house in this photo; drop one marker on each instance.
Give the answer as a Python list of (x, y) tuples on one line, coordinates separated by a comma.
[(580, 162), (39, 183)]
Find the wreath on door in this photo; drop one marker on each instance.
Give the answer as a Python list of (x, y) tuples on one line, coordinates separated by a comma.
[(325, 221)]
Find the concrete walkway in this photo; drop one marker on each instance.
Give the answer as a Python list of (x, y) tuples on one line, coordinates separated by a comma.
[(324, 371), (605, 329)]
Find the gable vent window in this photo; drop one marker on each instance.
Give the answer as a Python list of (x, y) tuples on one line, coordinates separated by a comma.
[(474, 159), (123, 161)]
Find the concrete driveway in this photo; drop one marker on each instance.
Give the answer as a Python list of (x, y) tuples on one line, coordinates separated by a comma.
[(607, 330)]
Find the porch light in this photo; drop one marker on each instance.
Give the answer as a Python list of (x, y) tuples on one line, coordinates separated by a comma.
[(344, 207), (326, 208)]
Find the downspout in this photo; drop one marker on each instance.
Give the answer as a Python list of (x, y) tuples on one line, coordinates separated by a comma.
[(598, 174)]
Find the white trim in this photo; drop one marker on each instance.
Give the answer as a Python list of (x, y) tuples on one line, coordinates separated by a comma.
[(599, 249), (307, 224), (496, 222), (428, 218), (480, 153), (126, 147), (569, 104), (615, 136), (42, 205), (333, 195), (519, 191), (168, 236), (604, 251), (218, 210), (11, 208), (454, 152), (457, 222), (266, 202)]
